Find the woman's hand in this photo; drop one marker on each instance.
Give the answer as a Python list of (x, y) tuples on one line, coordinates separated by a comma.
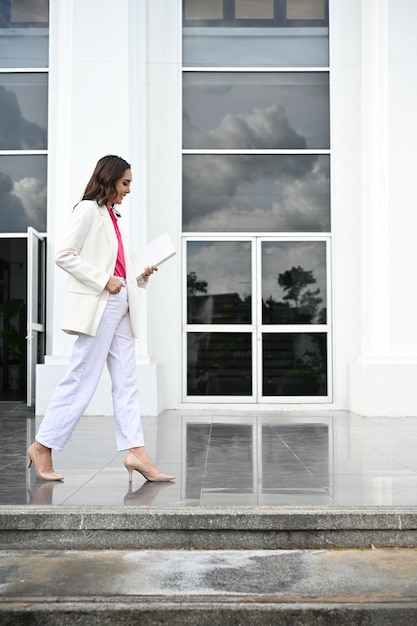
[(114, 285), (148, 271)]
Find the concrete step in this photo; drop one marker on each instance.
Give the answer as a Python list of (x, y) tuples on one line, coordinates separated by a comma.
[(203, 587), (45, 527)]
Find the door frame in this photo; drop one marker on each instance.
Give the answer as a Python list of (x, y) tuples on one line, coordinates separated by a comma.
[(36, 308), (256, 327)]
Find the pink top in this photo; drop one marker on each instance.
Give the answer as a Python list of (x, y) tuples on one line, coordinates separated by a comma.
[(120, 269)]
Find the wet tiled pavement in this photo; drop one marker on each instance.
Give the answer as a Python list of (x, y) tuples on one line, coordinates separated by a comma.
[(222, 458)]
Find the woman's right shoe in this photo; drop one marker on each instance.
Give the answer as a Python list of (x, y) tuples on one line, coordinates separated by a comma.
[(42, 475), (132, 462)]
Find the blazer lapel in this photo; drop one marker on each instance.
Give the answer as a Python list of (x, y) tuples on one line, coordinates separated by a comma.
[(108, 224)]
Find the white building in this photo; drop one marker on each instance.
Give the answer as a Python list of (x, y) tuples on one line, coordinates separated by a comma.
[(273, 141)]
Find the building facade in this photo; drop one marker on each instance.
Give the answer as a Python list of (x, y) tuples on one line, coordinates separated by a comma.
[(271, 140)]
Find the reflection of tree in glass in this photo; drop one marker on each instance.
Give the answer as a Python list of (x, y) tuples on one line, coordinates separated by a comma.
[(314, 361), (312, 366), (194, 285), (295, 282)]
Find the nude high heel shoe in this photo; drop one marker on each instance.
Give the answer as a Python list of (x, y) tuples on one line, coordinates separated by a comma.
[(133, 463), (42, 475)]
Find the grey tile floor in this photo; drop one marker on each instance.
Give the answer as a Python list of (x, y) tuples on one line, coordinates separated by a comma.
[(222, 458)]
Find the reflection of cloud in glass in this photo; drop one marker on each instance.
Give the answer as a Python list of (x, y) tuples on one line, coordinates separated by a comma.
[(256, 193), (22, 204), (278, 257), (16, 132), (259, 129), (32, 194), (300, 100), (224, 265)]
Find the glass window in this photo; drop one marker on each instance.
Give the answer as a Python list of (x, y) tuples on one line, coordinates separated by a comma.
[(225, 110), (255, 47), (23, 13), (203, 9), (249, 10), (219, 364), (258, 193), (24, 33), (294, 282), (269, 12), (22, 193), (306, 9), (24, 111), (219, 282), (294, 364), (244, 33)]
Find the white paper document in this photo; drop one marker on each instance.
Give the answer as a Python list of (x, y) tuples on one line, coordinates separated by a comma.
[(155, 253)]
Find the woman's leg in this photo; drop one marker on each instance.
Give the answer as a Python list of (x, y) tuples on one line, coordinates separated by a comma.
[(74, 392), (121, 363)]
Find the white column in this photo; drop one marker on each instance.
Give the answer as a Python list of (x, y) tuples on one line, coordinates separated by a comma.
[(138, 153), (383, 381), (375, 181), (96, 108), (59, 160)]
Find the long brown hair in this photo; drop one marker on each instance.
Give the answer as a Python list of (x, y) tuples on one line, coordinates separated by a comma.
[(102, 184)]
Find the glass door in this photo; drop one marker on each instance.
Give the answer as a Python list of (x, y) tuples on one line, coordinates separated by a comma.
[(13, 280), (35, 308), (293, 314), (256, 319)]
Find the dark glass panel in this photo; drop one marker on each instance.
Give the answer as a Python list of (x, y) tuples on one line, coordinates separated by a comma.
[(250, 10), (22, 193), (294, 282), (294, 364), (24, 111), (24, 13), (13, 318), (256, 193), (250, 111), (203, 9), (306, 9), (219, 364), (218, 282)]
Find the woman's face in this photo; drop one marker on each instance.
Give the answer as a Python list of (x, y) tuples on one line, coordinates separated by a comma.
[(122, 187)]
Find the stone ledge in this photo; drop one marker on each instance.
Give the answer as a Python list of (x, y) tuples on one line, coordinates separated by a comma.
[(206, 528), (205, 613), (205, 518)]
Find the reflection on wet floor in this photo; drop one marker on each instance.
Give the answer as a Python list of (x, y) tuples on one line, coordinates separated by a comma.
[(222, 459)]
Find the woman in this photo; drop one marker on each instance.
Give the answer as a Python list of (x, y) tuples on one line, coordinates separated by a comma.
[(102, 308)]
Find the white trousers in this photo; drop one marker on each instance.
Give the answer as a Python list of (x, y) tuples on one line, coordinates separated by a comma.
[(113, 344)]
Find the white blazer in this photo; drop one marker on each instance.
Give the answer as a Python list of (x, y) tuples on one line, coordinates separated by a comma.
[(88, 253)]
